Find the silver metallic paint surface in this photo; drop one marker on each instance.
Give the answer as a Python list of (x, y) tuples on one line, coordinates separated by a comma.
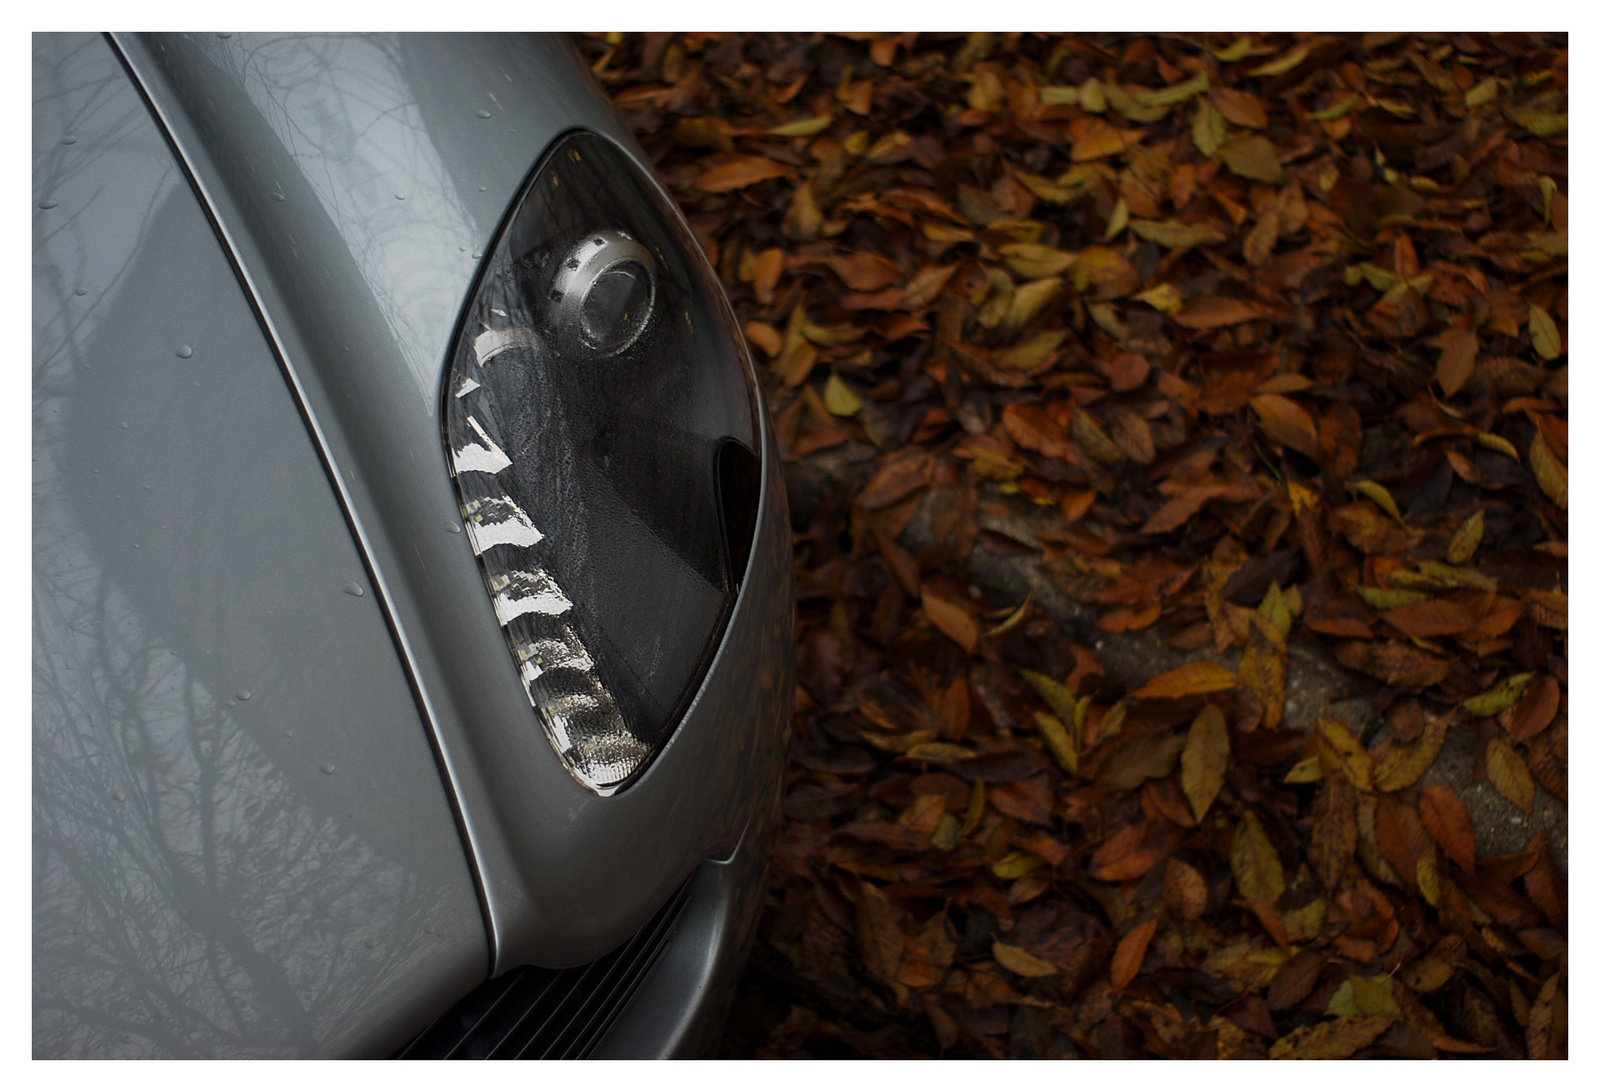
[(305, 147), (240, 843)]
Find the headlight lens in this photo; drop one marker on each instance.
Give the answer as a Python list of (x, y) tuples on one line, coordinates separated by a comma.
[(601, 427)]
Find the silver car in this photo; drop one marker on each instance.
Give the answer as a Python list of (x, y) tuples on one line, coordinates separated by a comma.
[(412, 628)]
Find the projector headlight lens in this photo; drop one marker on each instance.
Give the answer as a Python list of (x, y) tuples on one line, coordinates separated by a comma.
[(602, 432)]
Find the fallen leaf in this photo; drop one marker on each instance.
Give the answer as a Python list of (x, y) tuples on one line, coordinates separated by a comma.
[(1509, 774), (1448, 820), (1019, 962), (739, 172), (1205, 759), (1252, 157), (1129, 956), (951, 620), (1200, 677), (1543, 332), (1256, 868), (1331, 1039)]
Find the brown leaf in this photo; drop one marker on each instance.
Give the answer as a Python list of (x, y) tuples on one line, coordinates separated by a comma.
[(951, 620), (1334, 830), (1093, 138), (1536, 710), (1200, 677), (1457, 356), (1205, 759), (1430, 618), (1263, 237), (1509, 774), (865, 272), (1183, 890), (1214, 311), (1295, 979), (878, 935), (1448, 820), (1129, 956), (898, 476), (1240, 107), (1252, 157), (1549, 470), (739, 172), (1286, 422)]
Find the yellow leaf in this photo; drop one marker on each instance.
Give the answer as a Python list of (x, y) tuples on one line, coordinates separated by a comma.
[(1032, 260), (1389, 598), (1542, 330), (1118, 221), (1483, 92), (1208, 128), (1381, 497), (938, 752), (1235, 52), (1332, 1039), (1339, 749), (1252, 157), (1338, 110), (1029, 355), (1306, 771), (1256, 868), (1055, 693), (803, 128), (1465, 541), (1173, 234), (1177, 93), (1058, 740), (1058, 95), (1548, 469), (1015, 865), (1403, 764), (1360, 995), (1163, 297), (1500, 697), (840, 399), (1020, 962), (1283, 63), (1200, 677), (1509, 773), (1205, 759)]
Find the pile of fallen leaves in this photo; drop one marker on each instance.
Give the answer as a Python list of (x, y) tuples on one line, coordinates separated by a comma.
[(1255, 344)]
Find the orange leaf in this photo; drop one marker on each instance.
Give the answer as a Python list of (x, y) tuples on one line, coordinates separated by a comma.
[(1200, 677), (1031, 426), (1205, 759), (1129, 957), (865, 272), (1448, 820), (1096, 139), (739, 172), (952, 621), (1284, 421), (1240, 107), (1212, 311), (1536, 710), (1458, 356), (1430, 618)]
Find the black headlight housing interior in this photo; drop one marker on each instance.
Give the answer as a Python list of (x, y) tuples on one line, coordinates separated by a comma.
[(601, 424)]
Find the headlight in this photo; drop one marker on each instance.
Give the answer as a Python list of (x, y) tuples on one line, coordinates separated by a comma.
[(603, 437)]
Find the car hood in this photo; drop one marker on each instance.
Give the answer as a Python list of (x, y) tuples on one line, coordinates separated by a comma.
[(241, 842)]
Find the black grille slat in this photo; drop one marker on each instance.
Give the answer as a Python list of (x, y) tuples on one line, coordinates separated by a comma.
[(536, 1012), (626, 984)]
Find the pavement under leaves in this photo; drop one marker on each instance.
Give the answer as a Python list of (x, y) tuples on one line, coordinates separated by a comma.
[(1176, 430)]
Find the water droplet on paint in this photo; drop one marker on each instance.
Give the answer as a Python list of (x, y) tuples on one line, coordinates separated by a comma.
[(328, 767), (276, 196), (453, 528), (116, 794), (243, 695), (80, 291), (399, 197), (354, 589), (184, 352), (476, 254), (124, 424), (48, 203), (484, 114)]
